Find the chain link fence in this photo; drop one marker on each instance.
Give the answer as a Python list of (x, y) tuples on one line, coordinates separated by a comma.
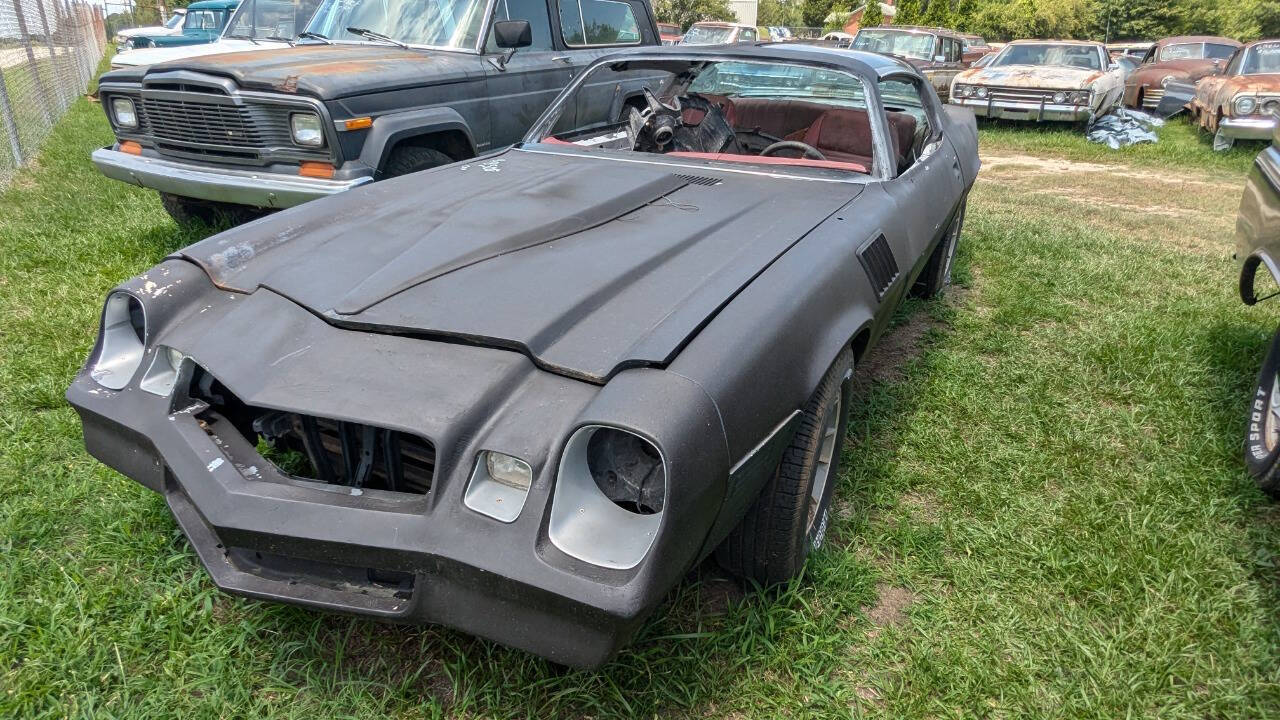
[(49, 50)]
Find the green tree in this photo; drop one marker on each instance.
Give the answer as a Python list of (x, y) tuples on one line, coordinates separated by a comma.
[(908, 13), (687, 12), (814, 12), (873, 16), (965, 15), (778, 12), (938, 14)]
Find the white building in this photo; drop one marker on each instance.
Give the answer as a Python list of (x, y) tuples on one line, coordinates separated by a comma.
[(745, 10)]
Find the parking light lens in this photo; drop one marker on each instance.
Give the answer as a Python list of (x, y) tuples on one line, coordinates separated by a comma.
[(306, 129), (510, 471)]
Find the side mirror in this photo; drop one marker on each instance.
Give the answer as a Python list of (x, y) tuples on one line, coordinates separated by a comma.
[(512, 34)]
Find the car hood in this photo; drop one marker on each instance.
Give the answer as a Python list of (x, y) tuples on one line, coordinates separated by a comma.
[(333, 71), (151, 56), (585, 264), (148, 30), (1190, 70), (1264, 83), (1031, 76)]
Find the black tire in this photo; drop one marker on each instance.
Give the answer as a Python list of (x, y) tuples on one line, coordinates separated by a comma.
[(786, 523), (407, 159), (936, 275), (186, 211), (1262, 432)]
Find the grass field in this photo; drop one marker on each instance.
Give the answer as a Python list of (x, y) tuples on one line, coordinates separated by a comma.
[(1043, 511)]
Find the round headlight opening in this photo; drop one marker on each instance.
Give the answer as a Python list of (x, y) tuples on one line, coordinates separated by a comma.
[(981, 92), (122, 342), (628, 470), (1059, 98), (1246, 105)]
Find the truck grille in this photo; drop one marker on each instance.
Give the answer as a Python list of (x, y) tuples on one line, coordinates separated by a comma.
[(201, 123)]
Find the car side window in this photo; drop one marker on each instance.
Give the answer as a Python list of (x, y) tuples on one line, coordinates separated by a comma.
[(748, 35), (598, 22), (957, 50), (909, 118), (1233, 67), (535, 11)]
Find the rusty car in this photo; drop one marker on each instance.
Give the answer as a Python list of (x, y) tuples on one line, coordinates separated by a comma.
[(975, 48), (1258, 252), (1183, 59), (367, 94), (521, 396), (1042, 80), (709, 32), (1242, 102), (936, 52)]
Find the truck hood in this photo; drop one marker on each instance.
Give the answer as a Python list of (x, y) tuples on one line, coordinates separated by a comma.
[(585, 264), (151, 56), (1043, 77), (333, 71)]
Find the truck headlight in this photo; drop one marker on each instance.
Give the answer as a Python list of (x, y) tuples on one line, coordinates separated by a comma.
[(121, 343), (306, 130), (611, 489), (125, 113), (1245, 105), (498, 486)]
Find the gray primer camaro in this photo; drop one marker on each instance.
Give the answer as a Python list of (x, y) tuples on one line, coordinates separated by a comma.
[(524, 396)]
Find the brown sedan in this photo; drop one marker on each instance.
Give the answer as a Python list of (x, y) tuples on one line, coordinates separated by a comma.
[(1185, 58), (1242, 103)]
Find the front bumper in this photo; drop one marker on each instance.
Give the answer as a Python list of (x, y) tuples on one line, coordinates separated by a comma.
[(1017, 110), (393, 555), (257, 188), (1249, 128)]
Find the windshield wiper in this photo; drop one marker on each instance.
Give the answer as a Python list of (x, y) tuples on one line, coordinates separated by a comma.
[(278, 38), (365, 32), (315, 36), (250, 38)]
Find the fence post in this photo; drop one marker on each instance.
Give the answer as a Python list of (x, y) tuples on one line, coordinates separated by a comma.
[(31, 58), (10, 126)]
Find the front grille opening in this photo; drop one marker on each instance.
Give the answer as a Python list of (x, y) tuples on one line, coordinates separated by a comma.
[(347, 578), (320, 449)]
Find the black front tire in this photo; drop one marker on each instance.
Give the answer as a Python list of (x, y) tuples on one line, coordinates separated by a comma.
[(1262, 433), (186, 211), (936, 275), (786, 522), (407, 159)]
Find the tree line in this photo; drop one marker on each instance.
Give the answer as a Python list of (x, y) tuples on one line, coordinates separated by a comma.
[(1013, 19)]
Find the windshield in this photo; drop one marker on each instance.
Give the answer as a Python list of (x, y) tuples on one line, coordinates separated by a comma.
[(433, 23), (1078, 56), (173, 22), (766, 112), (1195, 51), (204, 20), (895, 42), (707, 35), (1264, 58), (260, 19)]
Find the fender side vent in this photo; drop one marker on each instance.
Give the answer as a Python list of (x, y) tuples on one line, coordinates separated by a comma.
[(877, 260), (699, 179)]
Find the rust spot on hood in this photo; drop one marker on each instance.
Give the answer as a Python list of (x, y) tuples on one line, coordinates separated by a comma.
[(1263, 84), (290, 84)]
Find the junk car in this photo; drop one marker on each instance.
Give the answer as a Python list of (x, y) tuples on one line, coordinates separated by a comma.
[(936, 52), (1243, 102), (718, 33), (1042, 80), (367, 94), (202, 23), (975, 48), (255, 25), (1184, 59), (523, 396), (172, 26), (1258, 251)]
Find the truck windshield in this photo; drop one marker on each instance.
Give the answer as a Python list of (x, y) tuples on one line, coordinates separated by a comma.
[(445, 24), (260, 19), (895, 42)]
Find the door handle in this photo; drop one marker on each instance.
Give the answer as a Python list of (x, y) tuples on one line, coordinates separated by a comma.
[(563, 58)]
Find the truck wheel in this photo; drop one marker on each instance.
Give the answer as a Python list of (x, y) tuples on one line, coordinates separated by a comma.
[(1262, 435), (186, 211), (407, 159), (936, 275), (789, 518)]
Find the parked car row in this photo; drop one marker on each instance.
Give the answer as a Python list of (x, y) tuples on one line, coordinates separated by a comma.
[(518, 393)]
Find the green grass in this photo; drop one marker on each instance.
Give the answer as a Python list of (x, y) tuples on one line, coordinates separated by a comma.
[(1043, 513)]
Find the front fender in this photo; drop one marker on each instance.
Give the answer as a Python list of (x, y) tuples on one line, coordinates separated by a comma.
[(388, 130)]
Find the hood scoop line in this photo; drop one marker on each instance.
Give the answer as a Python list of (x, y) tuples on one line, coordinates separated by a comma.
[(562, 205)]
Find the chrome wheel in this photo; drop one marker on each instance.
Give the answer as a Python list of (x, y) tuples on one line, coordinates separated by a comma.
[(822, 466)]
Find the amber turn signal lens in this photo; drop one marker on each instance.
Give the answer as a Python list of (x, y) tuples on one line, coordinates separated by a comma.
[(316, 170), (359, 123), (131, 147)]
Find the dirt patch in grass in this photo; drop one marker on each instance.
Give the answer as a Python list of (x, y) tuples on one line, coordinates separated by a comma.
[(890, 608), (899, 346), (1031, 165)]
